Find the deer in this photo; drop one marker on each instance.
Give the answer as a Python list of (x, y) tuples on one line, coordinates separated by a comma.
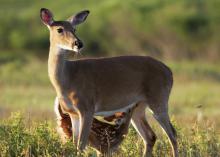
[(91, 87)]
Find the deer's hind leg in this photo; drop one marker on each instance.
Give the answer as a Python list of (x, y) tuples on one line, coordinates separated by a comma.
[(164, 121), (141, 125), (64, 126), (160, 113)]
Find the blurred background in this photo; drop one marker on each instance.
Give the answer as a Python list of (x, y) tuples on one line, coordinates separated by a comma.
[(184, 34)]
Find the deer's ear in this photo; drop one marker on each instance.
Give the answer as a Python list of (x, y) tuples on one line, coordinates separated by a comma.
[(46, 16), (79, 17)]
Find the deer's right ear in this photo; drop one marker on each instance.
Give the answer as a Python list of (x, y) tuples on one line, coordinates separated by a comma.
[(46, 16)]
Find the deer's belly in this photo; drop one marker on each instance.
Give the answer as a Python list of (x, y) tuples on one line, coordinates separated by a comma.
[(112, 112)]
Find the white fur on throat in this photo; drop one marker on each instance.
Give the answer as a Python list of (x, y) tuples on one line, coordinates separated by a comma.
[(75, 48)]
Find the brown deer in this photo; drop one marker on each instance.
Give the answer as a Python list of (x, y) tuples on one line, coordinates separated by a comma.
[(87, 88)]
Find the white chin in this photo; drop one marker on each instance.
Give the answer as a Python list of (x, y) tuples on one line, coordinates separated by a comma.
[(75, 48), (65, 47)]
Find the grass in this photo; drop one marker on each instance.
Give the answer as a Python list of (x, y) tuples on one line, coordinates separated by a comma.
[(25, 87), (40, 139)]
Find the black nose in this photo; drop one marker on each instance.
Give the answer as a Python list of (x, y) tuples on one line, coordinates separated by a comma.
[(79, 44)]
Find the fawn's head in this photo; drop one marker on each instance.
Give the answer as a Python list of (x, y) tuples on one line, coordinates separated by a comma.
[(63, 33)]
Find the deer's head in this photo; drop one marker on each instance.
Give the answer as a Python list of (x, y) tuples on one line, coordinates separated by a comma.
[(63, 33)]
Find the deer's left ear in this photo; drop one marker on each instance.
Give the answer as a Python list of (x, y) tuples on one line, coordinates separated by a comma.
[(79, 17)]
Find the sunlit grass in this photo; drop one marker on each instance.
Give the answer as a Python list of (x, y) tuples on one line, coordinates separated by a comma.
[(41, 139)]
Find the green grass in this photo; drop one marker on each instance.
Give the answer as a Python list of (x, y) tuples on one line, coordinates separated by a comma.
[(25, 87), (40, 139)]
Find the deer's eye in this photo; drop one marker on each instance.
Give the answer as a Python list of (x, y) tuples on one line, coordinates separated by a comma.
[(60, 30)]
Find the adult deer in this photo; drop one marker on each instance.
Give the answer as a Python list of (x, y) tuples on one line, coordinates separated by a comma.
[(101, 87)]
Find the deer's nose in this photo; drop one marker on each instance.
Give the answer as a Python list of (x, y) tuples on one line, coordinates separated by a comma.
[(79, 44)]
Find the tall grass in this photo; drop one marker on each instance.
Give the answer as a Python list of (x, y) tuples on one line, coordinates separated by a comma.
[(40, 139)]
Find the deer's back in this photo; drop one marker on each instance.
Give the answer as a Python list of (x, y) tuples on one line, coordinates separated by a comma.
[(124, 68)]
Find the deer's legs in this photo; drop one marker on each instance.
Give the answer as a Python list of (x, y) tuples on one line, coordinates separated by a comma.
[(63, 122), (75, 121), (86, 119), (71, 110), (141, 125), (164, 121)]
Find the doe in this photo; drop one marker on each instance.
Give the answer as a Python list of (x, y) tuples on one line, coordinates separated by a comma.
[(101, 87)]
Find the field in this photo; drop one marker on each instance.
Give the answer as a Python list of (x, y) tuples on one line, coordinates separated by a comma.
[(184, 34), (27, 125)]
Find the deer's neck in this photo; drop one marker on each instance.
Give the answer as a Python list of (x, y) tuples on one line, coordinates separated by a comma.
[(56, 67)]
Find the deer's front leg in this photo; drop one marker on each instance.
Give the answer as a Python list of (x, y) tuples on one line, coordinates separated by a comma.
[(69, 107), (63, 122), (75, 127), (86, 119)]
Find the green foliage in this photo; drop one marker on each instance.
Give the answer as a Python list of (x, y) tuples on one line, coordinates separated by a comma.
[(208, 144), (40, 139), (171, 29)]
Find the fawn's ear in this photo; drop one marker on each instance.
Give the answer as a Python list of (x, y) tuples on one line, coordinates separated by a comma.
[(78, 18), (46, 16)]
